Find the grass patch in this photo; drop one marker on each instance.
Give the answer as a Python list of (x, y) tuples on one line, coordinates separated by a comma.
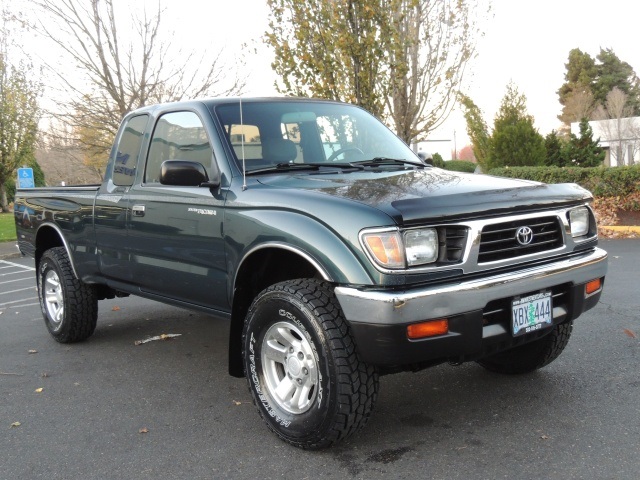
[(7, 227)]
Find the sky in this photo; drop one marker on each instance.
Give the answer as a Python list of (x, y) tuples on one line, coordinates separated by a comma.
[(526, 42)]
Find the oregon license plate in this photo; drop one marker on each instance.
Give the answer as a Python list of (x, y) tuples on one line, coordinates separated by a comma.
[(531, 313)]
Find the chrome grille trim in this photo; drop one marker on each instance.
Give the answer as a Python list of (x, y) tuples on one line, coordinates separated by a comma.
[(467, 257), (499, 241)]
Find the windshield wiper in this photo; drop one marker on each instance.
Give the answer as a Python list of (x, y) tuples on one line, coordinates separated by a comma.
[(388, 161), (283, 167)]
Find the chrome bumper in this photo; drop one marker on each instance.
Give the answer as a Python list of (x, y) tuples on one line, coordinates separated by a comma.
[(396, 308)]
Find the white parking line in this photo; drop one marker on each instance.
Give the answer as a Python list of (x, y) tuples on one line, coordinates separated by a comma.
[(18, 290), (18, 301), (17, 280), (23, 305), (24, 267)]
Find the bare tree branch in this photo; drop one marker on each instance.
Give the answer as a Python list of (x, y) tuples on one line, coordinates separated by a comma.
[(119, 63)]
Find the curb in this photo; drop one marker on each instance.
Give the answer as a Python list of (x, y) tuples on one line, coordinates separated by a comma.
[(622, 228), (9, 250)]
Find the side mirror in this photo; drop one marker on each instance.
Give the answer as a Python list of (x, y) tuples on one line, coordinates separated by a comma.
[(426, 158), (183, 173)]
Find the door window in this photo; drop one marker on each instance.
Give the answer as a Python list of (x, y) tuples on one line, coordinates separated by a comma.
[(177, 136)]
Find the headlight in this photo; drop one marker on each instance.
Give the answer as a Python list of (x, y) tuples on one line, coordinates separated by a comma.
[(421, 246), (394, 250), (579, 221)]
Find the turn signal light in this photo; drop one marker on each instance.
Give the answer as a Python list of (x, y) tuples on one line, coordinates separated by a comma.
[(428, 329), (593, 286)]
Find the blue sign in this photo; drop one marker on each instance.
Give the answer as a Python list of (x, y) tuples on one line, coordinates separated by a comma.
[(25, 178)]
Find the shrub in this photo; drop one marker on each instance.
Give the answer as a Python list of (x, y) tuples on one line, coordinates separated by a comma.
[(460, 166), (601, 181)]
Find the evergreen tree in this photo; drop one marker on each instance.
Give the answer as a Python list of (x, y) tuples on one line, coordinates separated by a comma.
[(555, 149), (614, 73), (584, 151), (588, 81), (515, 141)]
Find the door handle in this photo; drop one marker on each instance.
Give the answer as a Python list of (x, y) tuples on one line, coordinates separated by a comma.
[(138, 210)]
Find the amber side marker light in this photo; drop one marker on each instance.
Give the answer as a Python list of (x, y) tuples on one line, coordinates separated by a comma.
[(428, 329), (593, 286)]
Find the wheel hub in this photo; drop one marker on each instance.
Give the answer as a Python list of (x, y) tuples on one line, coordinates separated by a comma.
[(290, 368), (294, 366), (53, 297)]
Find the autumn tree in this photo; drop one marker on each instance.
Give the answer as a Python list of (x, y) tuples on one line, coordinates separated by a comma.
[(431, 43), (515, 141), (19, 115), (477, 130), (330, 49), (403, 60), (466, 153), (117, 62)]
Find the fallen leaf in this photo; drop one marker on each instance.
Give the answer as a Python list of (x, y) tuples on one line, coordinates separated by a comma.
[(115, 308), (44, 375), (237, 402), (39, 390), (164, 336), (544, 437), (143, 430), (33, 351), (629, 333), (15, 424)]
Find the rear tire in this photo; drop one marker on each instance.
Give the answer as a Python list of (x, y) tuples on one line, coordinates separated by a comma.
[(301, 363), (69, 307), (531, 356)]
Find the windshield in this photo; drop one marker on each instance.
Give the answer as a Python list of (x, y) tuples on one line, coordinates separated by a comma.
[(307, 132)]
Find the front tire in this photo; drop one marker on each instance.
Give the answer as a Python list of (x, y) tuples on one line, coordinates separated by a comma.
[(69, 307), (302, 367), (530, 356)]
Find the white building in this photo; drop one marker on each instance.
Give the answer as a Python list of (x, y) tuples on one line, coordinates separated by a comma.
[(620, 139)]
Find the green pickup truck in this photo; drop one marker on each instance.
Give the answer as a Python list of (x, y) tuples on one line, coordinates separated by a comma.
[(335, 253)]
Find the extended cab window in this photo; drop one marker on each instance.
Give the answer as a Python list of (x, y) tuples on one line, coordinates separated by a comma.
[(124, 167), (177, 136)]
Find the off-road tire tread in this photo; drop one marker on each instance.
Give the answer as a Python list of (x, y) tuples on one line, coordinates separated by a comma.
[(358, 382), (531, 356), (81, 303)]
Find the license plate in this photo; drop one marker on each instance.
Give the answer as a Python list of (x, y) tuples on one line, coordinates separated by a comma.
[(531, 313)]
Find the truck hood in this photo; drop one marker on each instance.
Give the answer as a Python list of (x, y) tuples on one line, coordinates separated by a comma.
[(434, 194)]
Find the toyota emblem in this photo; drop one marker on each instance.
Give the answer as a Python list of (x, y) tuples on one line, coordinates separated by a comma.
[(524, 235)]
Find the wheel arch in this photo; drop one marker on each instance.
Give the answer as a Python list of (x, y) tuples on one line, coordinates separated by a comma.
[(264, 265), (50, 236)]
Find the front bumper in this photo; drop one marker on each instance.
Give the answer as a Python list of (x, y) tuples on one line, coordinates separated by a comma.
[(378, 319)]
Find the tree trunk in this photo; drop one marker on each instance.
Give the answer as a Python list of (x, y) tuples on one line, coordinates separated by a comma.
[(4, 203)]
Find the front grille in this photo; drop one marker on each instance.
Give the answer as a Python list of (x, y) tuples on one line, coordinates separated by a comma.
[(452, 242), (499, 241)]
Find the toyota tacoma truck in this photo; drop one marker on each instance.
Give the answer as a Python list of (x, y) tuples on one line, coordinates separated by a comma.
[(335, 253)]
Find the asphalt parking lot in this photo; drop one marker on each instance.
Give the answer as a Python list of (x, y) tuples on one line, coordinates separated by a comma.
[(108, 408)]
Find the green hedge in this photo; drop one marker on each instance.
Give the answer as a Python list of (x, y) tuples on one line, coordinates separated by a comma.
[(601, 181), (460, 166)]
